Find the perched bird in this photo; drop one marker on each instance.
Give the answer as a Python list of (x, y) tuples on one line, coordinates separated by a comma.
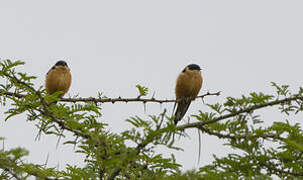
[(188, 85), (58, 78)]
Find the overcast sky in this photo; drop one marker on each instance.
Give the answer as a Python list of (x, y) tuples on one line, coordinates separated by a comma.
[(113, 45)]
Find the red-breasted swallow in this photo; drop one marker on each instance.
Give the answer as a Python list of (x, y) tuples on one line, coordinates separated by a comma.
[(58, 78), (189, 83)]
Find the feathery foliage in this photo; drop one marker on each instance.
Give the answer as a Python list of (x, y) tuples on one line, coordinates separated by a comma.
[(261, 151)]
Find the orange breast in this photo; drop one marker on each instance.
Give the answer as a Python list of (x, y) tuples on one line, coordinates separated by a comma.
[(58, 79), (188, 84)]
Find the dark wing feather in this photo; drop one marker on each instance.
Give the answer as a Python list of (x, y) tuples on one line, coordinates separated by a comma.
[(181, 110)]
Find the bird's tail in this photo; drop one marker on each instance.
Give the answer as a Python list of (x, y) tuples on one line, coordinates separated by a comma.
[(181, 110)]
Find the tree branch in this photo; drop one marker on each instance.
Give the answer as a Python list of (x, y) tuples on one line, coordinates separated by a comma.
[(113, 100), (237, 137), (200, 125), (247, 110), (45, 111)]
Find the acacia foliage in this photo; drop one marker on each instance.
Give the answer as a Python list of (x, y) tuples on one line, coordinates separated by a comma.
[(264, 151)]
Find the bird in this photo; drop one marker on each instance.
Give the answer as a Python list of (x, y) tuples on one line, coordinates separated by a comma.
[(58, 78), (188, 85)]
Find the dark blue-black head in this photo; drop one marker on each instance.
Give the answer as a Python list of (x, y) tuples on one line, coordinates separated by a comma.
[(61, 63), (192, 67)]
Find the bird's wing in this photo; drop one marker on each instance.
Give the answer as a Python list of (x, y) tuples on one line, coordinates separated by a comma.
[(181, 110)]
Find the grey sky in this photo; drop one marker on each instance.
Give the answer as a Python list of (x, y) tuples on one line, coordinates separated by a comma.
[(111, 46)]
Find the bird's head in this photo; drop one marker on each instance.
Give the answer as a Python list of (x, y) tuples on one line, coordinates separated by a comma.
[(61, 63), (192, 67)]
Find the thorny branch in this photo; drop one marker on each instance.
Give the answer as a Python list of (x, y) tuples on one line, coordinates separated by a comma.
[(246, 110), (119, 99), (200, 125), (46, 111)]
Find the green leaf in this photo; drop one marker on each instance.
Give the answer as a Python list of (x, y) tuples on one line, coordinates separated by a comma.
[(143, 91)]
